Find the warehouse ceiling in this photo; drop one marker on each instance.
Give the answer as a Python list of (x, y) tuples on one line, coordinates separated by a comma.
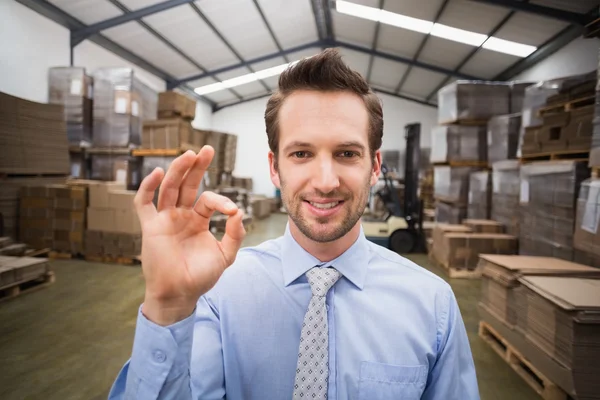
[(230, 51)]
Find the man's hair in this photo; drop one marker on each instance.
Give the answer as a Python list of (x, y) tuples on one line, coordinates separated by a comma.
[(325, 72)]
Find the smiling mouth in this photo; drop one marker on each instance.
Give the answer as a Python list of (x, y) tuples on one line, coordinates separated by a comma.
[(324, 206)]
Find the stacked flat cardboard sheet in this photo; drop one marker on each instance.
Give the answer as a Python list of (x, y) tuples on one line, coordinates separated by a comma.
[(564, 321), (33, 137), (502, 293)]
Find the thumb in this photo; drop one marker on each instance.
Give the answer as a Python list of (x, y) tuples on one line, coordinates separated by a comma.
[(234, 235)]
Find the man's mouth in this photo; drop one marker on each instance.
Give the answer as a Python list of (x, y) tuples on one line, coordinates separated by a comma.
[(324, 206)]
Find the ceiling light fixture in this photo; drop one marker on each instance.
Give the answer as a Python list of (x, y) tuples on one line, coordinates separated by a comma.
[(435, 29), (242, 80)]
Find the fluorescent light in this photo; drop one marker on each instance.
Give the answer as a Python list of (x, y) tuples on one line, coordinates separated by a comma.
[(508, 47), (439, 30), (458, 35), (242, 80), (215, 87), (402, 21), (357, 10)]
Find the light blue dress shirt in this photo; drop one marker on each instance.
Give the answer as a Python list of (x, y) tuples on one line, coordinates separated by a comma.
[(395, 332)]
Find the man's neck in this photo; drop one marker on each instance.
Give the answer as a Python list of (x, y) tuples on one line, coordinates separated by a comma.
[(325, 252)]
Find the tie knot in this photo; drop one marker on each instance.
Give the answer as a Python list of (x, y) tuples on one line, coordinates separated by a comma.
[(322, 279)]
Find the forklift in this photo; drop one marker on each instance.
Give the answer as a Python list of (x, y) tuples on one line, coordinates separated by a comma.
[(401, 228)]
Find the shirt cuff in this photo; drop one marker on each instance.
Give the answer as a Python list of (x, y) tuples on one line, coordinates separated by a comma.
[(161, 353)]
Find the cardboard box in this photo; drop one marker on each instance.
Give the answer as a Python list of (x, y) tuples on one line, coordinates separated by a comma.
[(462, 250), (166, 134), (484, 226), (99, 193), (101, 219), (121, 199), (174, 103), (438, 232), (458, 143)]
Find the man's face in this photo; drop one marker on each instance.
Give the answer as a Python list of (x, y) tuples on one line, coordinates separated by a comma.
[(324, 168)]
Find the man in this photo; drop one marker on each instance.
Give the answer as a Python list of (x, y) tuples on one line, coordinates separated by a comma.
[(317, 313)]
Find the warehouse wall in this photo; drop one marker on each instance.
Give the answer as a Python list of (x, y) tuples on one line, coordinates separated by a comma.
[(32, 43), (578, 57), (247, 121)]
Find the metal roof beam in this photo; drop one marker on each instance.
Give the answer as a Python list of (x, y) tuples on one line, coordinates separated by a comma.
[(260, 96), (224, 40), (548, 12), (322, 13), (249, 62), (402, 60), (89, 30), (57, 15), (404, 97), (392, 94), (420, 49), (168, 43), (266, 21), (465, 60), (556, 43), (374, 45)]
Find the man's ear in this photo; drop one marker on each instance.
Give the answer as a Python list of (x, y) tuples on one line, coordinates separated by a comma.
[(274, 170), (376, 168)]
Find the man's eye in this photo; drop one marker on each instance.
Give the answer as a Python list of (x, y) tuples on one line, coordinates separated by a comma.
[(299, 154), (348, 154)]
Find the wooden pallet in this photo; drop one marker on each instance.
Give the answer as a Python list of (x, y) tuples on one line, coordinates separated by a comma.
[(61, 255), (454, 273), (466, 122), (114, 260), (534, 378), (19, 288), (567, 106), (109, 150), (577, 155), (476, 164)]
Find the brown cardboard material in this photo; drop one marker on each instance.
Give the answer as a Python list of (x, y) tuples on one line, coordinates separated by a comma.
[(100, 219), (176, 103), (121, 199), (99, 197), (462, 250), (437, 235), (484, 226), (69, 204), (166, 134)]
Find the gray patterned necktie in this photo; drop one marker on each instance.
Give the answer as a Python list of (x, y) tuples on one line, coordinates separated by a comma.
[(312, 372)]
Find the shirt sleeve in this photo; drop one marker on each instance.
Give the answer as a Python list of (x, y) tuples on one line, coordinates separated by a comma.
[(453, 375), (159, 367)]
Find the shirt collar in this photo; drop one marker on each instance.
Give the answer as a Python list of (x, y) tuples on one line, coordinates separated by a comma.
[(352, 264)]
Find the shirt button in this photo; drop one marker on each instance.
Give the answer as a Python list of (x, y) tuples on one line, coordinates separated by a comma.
[(159, 356)]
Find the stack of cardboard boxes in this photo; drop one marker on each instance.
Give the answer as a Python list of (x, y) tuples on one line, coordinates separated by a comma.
[(53, 216), (33, 137), (480, 190), (559, 115), (457, 247), (548, 196), (505, 195), (121, 104), (113, 227), (460, 145)]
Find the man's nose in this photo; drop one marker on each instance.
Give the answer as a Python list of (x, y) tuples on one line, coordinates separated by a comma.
[(325, 177)]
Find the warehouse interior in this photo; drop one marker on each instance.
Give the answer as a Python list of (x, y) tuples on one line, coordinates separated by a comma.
[(500, 186)]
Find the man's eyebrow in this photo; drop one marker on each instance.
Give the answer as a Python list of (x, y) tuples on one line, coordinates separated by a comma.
[(351, 144), (296, 144)]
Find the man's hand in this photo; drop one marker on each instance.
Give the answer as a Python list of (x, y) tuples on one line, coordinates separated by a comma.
[(181, 259)]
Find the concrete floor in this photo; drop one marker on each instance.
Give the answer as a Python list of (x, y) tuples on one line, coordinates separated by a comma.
[(69, 341)]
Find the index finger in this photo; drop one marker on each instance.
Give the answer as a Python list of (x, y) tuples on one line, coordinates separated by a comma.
[(145, 195)]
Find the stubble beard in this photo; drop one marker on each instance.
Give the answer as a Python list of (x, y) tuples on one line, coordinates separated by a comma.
[(353, 209)]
